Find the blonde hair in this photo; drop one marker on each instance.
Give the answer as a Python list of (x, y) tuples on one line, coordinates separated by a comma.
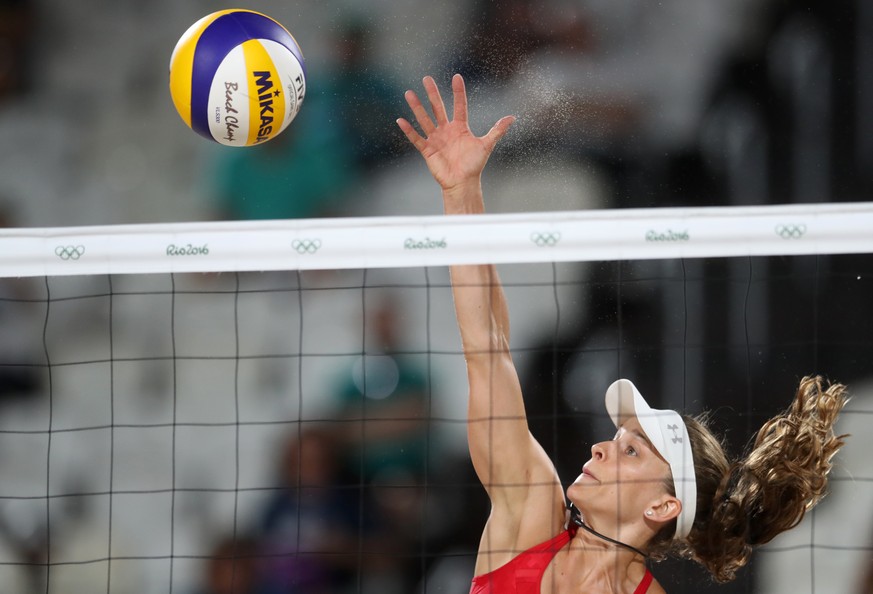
[(746, 503)]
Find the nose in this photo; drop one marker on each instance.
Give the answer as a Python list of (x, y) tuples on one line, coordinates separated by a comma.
[(598, 451)]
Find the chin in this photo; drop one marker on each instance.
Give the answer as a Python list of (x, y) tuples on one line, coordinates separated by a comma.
[(574, 493)]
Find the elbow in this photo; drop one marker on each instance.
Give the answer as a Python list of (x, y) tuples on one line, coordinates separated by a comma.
[(486, 347)]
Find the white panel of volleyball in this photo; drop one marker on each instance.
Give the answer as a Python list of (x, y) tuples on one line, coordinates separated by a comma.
[(392, 242)]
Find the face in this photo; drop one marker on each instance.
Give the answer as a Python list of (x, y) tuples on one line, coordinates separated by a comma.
[(622, 479)]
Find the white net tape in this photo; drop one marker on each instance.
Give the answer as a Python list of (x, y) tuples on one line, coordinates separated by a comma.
[(389, 242)]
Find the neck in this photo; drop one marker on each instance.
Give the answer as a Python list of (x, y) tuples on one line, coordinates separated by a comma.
[(595, 562), (576, 518)]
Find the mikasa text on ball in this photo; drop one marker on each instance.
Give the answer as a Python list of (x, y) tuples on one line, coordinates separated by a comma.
[(237, 77)]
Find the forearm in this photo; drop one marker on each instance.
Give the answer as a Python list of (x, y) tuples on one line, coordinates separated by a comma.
[(480, 304), (480, 310), (496, 415), (497, 430)]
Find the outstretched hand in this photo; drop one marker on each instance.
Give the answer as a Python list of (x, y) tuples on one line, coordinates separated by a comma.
[(454, 155)]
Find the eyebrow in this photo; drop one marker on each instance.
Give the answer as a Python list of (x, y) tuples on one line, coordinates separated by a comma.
[(641, 436), (645, 438)]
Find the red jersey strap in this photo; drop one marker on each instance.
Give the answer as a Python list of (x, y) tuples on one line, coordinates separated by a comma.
[(644, 583)]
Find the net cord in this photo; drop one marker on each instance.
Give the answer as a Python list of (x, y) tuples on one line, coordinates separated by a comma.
[(438, 240)]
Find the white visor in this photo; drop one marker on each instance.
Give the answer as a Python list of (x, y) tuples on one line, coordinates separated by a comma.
[(668, 434)]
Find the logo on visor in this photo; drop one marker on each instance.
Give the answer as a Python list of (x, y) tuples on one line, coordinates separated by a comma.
[(675, 430)]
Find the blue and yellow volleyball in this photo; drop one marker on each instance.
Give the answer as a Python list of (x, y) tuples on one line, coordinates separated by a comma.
[(237, 77)]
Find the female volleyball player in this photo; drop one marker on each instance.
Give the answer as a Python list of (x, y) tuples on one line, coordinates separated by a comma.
[(662, 485)]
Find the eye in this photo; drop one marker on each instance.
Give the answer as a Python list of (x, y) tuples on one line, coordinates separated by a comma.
[(630, 451)]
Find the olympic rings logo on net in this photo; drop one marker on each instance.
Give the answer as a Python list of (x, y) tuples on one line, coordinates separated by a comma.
[(70, 252), (306, 246), (790, 231), (545, 238)]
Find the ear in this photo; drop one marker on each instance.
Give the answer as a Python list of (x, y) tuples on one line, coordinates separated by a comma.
[(663, 510)]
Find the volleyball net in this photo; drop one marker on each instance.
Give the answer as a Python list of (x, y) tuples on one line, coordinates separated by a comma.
[(280, 405)]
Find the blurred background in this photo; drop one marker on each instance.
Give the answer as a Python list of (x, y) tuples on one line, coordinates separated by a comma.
[(304, 432)]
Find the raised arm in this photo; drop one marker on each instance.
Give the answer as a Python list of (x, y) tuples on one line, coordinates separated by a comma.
[(520, 479)]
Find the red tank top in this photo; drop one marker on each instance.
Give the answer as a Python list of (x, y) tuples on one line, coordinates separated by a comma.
[(524, 573)]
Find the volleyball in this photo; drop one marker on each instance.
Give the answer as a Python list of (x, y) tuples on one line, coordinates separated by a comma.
[(237, 77)]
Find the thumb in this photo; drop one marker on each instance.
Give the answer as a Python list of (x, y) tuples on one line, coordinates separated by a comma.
[(498, 131)]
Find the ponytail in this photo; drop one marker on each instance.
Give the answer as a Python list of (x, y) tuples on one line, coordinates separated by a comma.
[(784, 474)]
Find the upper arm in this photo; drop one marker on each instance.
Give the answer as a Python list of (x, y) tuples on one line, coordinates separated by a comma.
[(505, 455), (527, 500)]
